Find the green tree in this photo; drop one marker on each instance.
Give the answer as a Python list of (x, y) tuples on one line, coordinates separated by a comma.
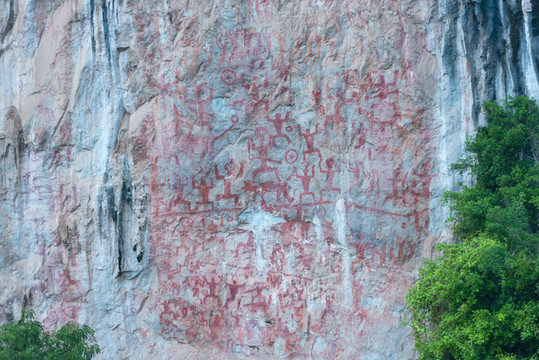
[(503, 162), (26, 340), (480, 298), (477, 300)]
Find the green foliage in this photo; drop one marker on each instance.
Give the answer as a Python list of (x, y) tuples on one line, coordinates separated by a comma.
[(480, 298), (477, 301), (26, 340), (503, 162)]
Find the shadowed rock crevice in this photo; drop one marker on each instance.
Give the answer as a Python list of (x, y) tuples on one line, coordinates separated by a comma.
[(7, 18), (535, 17), (122, 220), (534, 25), (492, 34)]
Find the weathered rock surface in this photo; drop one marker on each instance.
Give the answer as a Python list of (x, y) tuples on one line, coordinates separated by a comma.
[(222, 179)]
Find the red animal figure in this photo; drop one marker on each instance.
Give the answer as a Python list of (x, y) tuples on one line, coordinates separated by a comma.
[(245, 248), (258, 301), (279, 188), (309, 140)]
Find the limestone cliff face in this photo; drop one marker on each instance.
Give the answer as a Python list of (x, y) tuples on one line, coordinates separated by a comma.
[(229, 179)]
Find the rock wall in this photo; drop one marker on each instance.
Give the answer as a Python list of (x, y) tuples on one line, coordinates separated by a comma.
[(231, 179)]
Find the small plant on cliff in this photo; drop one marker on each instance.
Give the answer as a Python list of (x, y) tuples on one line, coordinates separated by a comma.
[(480, 298), (26, 340)]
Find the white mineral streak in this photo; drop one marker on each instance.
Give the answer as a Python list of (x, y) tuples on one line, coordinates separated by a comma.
[(260, 223), (340, 220), (232, 179)]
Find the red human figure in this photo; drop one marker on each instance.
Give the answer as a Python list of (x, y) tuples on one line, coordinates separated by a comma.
[(313, 52), (328, 232), (262, 149), (278, 122), (384, 90), (204, 190), (196, 284), (356, 170), (193, 144), (233, 288), (238, 44), (330, 163), (305, 181), (361, 136), (278, 63), (211, 293), (367, 84), (317, 100), (399, 185), (281, 68), (338, 101), (229, 168), (260, 47), (360, 250), (200, 106), (383, 254), (374, 182), (178, 186), (309, 139), (421, 188), (257, 101), (222, 45)]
